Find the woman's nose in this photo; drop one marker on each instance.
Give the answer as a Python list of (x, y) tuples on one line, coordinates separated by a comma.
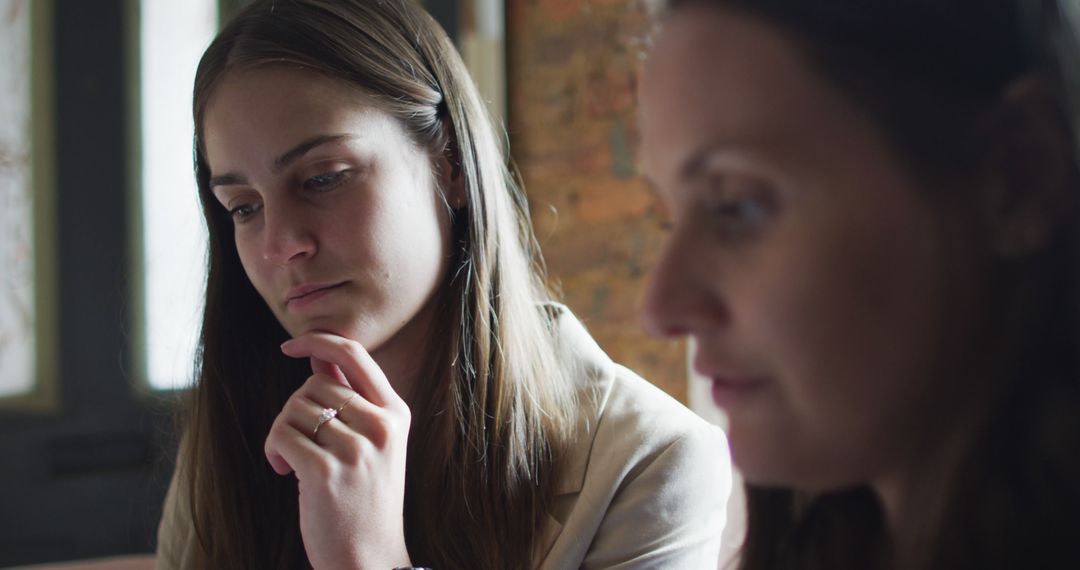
[(682, 296), (287, 237)]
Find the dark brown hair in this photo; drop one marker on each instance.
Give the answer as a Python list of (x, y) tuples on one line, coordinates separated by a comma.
[(489, 430), (925, 71)]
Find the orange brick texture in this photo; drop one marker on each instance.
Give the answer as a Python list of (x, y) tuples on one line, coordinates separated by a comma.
[(572, 67)]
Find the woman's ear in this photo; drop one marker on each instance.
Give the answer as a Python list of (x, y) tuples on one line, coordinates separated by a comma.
[(1032, 161), (451, 179)]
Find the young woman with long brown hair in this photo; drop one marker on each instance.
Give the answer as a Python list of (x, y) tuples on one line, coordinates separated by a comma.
[(875, 246), (383, 379)]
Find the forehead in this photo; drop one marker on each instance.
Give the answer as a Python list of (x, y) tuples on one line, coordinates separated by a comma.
[(281, 87), (717, 76), (264, 108)]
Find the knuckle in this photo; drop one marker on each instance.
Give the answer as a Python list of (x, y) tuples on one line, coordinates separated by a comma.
[(404, 413), (311, 381), (324, 468), (272, 437), (346, 346), (400, 414), (382, 428), (293, 406), (352, 454)]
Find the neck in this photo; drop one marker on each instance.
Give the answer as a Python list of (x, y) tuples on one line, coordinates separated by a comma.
[(915, 498), (917, 493), (405, 356)]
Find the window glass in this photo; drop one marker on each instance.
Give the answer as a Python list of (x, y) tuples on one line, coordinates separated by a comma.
[(17, 314), (173, 36)]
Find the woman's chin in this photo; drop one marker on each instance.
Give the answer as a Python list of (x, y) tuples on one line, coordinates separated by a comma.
[(327, 325), (763, 469)]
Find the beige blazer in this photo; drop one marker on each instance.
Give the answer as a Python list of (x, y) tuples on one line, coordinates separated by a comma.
[(645, 486), (648, 480)]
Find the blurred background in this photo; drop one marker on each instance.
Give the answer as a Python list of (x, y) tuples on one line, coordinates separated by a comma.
[(101, 246)]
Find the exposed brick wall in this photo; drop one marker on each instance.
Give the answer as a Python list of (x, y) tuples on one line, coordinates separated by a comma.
[(572, 66)]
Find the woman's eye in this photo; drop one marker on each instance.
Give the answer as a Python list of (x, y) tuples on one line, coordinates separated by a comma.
[(743, 211), (741, 219), (741, 207), (241, 212), (325, 181)]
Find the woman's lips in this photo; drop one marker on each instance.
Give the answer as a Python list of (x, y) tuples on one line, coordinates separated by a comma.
[(728, 391), (731, 384), (306, 295)]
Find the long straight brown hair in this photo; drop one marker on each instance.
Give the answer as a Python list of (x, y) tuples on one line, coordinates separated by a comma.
[(924, 70), (489, 430)]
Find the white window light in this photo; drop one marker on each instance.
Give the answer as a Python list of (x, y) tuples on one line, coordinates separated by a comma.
[(173, 37), (17, 310)]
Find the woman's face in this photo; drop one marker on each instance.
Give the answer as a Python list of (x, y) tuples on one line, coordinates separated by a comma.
[(339, 222), (823, 283)]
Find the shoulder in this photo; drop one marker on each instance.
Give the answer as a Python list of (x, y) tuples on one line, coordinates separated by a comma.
[(636, 405), (644, 437), (631, 420), (645, 482)]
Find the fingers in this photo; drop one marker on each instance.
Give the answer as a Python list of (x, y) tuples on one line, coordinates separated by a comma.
[(375, 420), (277, 462), (359, 369), (348, 438), (331, 370), (289, 447), (351, 470), (290, 442), (299, 442)]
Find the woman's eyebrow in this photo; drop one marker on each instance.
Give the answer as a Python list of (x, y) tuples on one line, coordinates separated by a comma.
[(694, 166), (306, 146), (226, 180), (284, 160)]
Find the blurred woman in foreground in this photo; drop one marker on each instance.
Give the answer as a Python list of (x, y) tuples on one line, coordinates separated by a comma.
[(875, 246)]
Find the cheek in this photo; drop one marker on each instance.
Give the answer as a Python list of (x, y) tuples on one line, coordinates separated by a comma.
[(251, 261), (398, 240), (848, 319), (418, 222)]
